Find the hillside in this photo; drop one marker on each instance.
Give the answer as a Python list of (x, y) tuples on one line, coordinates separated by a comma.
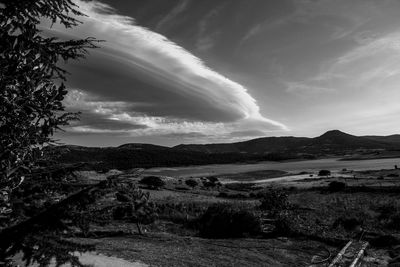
[(134, 155), (140, 156), (333, 141), (395, 138)]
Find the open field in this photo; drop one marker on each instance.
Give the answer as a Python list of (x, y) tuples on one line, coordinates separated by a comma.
[(172, 250), (317, 219)]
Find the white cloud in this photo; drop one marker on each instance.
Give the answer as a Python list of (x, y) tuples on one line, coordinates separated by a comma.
[(110, 113), (372, 46), (172, 14), (183, 74), (304, 88)]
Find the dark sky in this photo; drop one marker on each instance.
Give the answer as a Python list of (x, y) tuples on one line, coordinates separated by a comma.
[(189, 71)]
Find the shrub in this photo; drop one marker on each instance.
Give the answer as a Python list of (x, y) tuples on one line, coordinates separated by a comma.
[(181, 188), (223, 221), (324, 173), (394, 221), (274, 200), (394, 175), (336, 186), (241, 186), (192, 183), (386, 211), (348, 223), (134, 205), (233, 196), (208, 184), (389, 215), (223, 194), (153, 182), (213, 179), (384, 241)]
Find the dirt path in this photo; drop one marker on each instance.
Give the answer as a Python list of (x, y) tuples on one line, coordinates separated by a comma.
[(91, 259)]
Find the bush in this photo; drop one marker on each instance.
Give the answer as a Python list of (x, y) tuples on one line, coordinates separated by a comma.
[(223, 221), (181, 188), (192, 183), (336, 186), (348, 223), (274, 200), (233, 196), (389, 215), (394, 221), (223, 194), (208, 184), (386, 211), (153, 182), (213, 179), (324, 173), (241, 186)]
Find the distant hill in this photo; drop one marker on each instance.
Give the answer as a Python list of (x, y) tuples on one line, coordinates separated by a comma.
[(133, 155), (257, 146), (139, 156), (392, 139), (334, 141)]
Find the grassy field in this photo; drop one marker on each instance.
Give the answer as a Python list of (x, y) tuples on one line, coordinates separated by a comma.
[(172, 250), (317, 218)]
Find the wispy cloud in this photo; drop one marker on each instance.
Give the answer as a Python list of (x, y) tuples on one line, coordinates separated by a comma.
[(182, 5), (205, 38), (372, 46), (100, 117), (151, 81), (306, 89)]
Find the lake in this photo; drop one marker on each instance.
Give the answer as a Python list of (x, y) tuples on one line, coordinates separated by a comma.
[(333, 164)]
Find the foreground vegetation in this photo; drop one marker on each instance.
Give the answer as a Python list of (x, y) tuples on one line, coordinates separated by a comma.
[(258, 223)]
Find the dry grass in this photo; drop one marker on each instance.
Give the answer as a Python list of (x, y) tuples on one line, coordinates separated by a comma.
[(172, 250), (325, 209)]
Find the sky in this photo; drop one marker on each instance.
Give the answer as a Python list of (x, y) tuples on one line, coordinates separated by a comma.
[(189, 71)]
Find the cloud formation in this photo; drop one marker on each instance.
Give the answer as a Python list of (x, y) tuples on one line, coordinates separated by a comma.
[(140, 77), (311, 65)]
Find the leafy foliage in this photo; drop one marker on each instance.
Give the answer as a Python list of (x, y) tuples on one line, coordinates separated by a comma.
[(153, 182), (191, 182), (224, 221), (274, 201), (336, 186), (324, 173), (31, 83), (134, 205), (32, 90)]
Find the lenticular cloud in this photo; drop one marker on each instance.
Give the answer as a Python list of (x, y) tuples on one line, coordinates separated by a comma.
[(186, 75)]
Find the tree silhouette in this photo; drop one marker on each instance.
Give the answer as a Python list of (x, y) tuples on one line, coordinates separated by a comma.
[(31, 93), (31, 84)]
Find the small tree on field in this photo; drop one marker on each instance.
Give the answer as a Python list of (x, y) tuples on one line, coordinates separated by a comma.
[(274, 201), (324, 173), (192, 183), (153, 182), (134, 206), (336, 186)]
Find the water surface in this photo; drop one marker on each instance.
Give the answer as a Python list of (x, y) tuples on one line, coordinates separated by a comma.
[(333, 164)]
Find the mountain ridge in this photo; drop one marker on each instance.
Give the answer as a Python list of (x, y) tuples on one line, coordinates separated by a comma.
[(334, 139), (133, 155)]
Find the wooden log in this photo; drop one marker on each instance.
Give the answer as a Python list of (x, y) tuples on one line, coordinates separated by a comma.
[(359, 255), (340, 254)]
